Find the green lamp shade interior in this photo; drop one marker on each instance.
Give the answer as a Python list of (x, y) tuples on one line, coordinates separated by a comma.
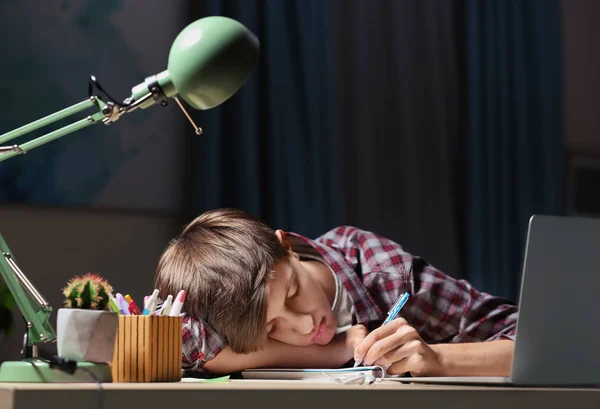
[(211, 59)]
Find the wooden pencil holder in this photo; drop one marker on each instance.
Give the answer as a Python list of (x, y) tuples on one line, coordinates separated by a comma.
[(147, 349)]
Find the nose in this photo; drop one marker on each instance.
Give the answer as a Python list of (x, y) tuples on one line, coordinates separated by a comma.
[(300, 323)]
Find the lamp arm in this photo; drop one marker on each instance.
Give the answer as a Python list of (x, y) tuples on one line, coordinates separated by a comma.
[(31, 303), (7, 152), (155, 89)]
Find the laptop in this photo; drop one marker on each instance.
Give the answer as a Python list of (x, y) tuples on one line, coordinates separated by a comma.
[(558, 329)]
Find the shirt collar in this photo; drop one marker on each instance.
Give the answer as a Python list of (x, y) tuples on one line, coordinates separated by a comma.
[(365, 307)]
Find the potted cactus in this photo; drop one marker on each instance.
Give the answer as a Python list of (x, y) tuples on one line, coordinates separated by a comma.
[(86, 330)]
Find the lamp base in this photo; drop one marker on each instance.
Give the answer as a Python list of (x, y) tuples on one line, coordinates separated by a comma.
[(39, 372)]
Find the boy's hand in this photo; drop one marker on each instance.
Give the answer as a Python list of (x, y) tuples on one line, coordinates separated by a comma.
[(355, 335), (400, 345), (350, 339)]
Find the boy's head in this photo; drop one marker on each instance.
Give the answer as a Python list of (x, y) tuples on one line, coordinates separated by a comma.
[(223, 259), (244, 280)]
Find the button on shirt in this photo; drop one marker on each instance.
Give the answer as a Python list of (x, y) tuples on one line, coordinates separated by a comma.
[(375, 272)]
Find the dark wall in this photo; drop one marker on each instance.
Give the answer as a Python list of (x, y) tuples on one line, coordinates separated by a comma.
[(582, 110), (581, 32)]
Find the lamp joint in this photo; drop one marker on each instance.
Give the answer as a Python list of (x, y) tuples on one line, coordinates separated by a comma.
[(155, 89), (13, 148)]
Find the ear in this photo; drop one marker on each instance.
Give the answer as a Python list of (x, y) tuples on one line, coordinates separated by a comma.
[(283, 239), (285, 243)]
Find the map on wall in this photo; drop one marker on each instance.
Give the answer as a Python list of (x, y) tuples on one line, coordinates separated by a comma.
[(50, 49)]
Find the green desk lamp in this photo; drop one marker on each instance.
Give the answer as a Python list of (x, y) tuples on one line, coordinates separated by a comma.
[(208, 62)]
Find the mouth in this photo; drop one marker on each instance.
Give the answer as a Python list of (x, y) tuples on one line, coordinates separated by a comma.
[(320, 332)]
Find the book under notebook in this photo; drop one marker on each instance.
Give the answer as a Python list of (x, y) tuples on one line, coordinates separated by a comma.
[(366, 374)]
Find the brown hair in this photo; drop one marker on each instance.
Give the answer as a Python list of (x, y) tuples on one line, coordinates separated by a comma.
[(222, 259)]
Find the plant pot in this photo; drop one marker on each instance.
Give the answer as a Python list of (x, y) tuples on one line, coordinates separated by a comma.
[(86, 335)]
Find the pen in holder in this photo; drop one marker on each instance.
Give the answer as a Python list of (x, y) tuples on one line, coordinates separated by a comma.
[(147, 349)]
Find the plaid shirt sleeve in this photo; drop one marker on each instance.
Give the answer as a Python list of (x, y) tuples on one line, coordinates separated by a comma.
[(440, 308), (450, 310), (200, 343)]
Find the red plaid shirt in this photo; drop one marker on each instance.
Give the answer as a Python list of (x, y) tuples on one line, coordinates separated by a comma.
[(376, 272)]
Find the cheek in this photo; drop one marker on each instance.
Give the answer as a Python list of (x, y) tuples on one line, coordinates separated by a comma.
[(288, 337), (319, 297)]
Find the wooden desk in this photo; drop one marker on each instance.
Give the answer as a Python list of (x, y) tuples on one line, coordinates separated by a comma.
[(289, 395)]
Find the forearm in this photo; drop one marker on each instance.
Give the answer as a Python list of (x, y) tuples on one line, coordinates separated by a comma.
[(279, 355), (492, 358)]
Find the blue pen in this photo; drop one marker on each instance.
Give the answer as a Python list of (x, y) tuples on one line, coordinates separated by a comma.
[(392, 314)]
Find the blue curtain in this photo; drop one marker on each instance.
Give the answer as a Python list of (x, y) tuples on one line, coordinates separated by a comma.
[(515, 133), (401, 122), (270, 150)]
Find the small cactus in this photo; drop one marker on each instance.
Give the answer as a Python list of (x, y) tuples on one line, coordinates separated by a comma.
[(89, 292)]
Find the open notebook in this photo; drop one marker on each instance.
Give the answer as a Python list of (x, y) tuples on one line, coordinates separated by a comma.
[(361, 374)]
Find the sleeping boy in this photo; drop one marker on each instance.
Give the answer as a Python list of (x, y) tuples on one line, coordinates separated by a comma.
[(264, 298)]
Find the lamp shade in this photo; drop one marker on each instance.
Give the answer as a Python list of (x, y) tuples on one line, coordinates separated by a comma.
[(211, 59)]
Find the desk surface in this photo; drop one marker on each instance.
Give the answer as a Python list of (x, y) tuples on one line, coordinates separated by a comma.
[(289, 395)]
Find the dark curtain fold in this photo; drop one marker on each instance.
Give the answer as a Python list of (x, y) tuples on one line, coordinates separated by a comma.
[(270, 149), (400, 99), (437, 124), (515, 135), (355, 115)]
